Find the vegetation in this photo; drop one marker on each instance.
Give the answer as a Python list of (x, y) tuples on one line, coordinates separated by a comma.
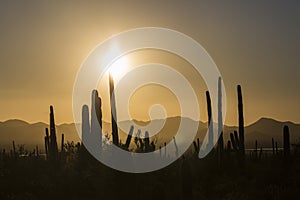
[(226, 173)]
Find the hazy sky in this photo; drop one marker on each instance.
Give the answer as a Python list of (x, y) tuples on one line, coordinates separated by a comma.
[(42, 45)]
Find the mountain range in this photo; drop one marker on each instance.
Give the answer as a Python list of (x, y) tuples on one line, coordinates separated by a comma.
[(31, 135)]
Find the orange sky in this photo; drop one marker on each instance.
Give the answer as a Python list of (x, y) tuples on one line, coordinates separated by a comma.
[(43, 45)]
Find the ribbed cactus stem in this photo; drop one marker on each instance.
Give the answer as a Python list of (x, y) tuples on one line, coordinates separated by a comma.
[(53, 142), (210, 122), (114, 120), (85, 124), (96, 116), (241, 120), (47, 143), (220, 120)]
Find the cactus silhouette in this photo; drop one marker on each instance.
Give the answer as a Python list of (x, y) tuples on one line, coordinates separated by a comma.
[(85, 127), (241, 120), (47, 143), (241, 128), (220, 123), (234, 142), (114, 120), (53, 149), (128, 140), (210, 122), (96, 115), (176, 148), (147, 142)]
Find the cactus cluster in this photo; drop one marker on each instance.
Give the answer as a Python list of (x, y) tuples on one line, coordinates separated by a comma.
[(50, 140), (51, 147)]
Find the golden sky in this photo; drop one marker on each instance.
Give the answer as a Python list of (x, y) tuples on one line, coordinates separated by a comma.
[(42, 45)]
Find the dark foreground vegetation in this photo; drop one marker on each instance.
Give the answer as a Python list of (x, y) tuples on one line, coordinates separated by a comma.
[(79, 176), (228, 172)]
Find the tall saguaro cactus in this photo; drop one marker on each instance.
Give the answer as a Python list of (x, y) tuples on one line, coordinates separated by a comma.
[(53, 150), (114, 121), (85, 124), (96, 115), (210, 122), (241, 121), (220, 122)]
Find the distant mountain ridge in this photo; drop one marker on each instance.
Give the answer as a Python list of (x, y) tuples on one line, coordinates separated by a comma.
[(262, 130)]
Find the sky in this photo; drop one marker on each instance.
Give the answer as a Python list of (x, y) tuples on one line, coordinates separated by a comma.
[(255, 44)]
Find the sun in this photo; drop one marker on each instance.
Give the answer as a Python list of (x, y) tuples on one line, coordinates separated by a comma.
[(119, 68)]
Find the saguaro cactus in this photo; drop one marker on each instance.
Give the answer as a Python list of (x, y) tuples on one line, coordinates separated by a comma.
[(128, 140), (210, 122), (241, 120), (176, 148), (286, 141), (220, 122), (53, 142), (114, 121), (235, 141), (47, 143), (85, 121), (96, 115), (241, 153), (147, 142)]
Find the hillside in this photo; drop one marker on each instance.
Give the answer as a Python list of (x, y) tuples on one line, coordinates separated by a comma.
[(32, 134)]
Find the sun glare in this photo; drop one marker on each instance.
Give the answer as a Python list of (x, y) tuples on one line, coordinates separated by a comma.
[(119, 67)]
